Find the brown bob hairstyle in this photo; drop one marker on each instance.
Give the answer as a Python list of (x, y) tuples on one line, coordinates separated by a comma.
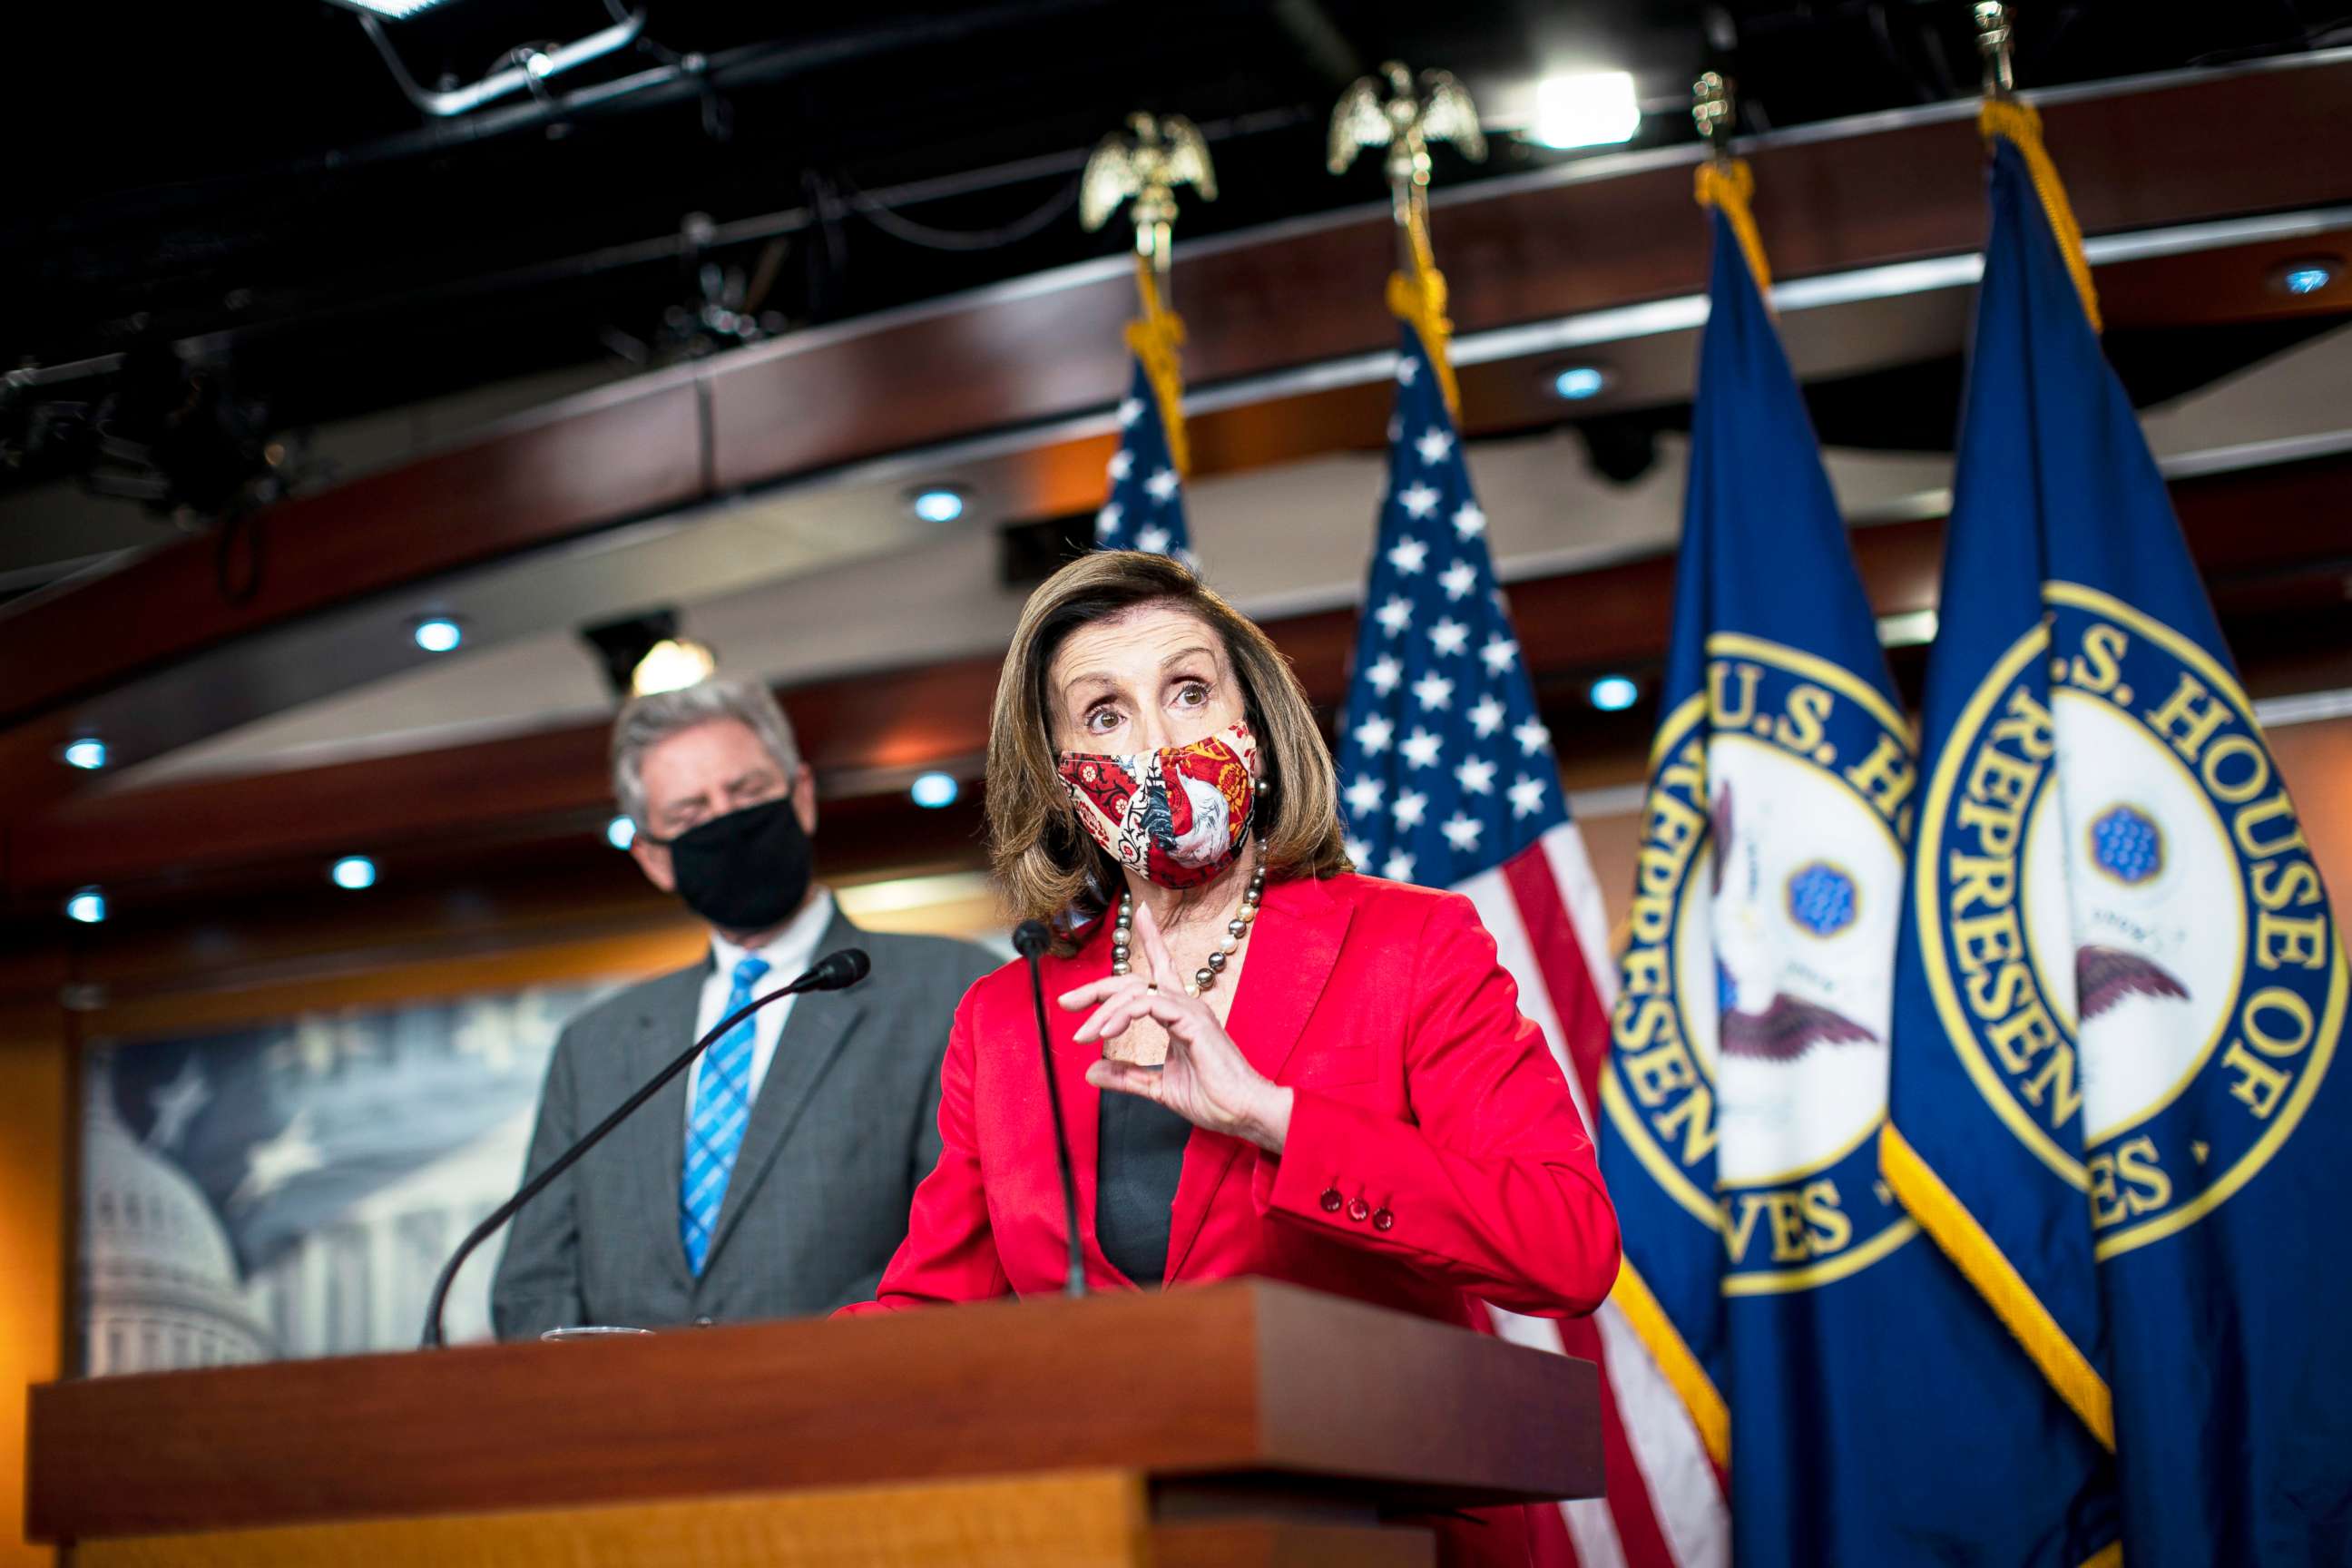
[(1048, 866)]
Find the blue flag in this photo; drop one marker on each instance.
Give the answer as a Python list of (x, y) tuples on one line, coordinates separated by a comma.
[(1874, 1410), (2120, 986)]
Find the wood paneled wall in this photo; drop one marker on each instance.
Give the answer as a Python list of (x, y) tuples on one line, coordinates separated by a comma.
[(36, 1249)]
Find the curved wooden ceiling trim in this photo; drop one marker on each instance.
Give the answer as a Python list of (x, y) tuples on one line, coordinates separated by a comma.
[(2270, 541), (1583, 237)]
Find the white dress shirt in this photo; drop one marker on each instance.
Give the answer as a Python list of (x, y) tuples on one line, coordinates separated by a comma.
[(793, 951)]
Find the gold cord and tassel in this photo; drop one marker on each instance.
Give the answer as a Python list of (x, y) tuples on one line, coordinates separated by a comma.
[(1158, 340), (2021, 125), (1728, 184), (1418, 298)]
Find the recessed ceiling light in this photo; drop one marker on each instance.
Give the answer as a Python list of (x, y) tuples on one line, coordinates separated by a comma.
[(1576, 383), (353, 871), (620, 833), (932, 791), (2306, 275), (1614, 693), (88, 905), (88, 753), (939, 503), (1595, 108), (438, 633)]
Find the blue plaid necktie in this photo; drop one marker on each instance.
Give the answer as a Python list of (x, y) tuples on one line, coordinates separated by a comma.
[(722, 1108)]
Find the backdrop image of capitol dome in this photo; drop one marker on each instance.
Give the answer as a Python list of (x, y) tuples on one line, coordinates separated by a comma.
[(289, 1189)]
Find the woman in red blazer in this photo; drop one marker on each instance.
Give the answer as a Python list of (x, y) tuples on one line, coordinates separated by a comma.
[(1268, 1065)]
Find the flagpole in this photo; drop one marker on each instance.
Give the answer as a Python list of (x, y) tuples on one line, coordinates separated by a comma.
[(1995, 42), (1725, 182), (2006, 115), (1145, 163), (1451, 781), (1388, 110)]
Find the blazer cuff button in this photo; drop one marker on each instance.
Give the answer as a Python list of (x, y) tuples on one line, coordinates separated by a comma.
[(1359, 1210), (1330, 1199), (1384, 1220)]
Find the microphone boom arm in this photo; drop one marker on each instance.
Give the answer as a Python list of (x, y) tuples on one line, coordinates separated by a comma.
[(827, 974), (1030, 942)]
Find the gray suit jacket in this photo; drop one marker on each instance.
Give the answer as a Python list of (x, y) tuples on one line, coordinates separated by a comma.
[(846, 1124)]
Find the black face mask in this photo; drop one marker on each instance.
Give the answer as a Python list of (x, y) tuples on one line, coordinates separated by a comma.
[(745, 871)]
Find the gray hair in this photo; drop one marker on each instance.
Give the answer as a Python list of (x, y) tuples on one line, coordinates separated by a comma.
[(654, 717)]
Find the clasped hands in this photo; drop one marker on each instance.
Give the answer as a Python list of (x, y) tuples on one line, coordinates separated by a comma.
[(1205, 1080)]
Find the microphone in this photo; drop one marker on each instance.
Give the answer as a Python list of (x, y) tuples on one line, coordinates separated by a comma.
[(1030, 939), (834, 972), (831, 972)]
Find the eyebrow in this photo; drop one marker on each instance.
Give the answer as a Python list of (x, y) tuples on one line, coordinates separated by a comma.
[(1196, 650), (1070, 686)]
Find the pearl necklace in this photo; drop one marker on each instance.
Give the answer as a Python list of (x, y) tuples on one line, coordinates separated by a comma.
[(1123, 933)]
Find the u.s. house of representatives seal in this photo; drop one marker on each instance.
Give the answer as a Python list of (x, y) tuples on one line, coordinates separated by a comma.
[(2123, 927), (1749, 1067)]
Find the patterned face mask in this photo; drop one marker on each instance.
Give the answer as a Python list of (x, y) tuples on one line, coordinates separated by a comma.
[(1179, 815)]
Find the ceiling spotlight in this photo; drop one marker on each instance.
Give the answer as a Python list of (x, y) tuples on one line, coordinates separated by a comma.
[(88, 753), (1907, 628), (390, 10), (645, 653), (1597, 109), (88, 905), (932, 791), (353, 872), (620, 833), (2306, 275), (438, 633), (1614, 693), (939, 503), (672, 664), (1576, 383)]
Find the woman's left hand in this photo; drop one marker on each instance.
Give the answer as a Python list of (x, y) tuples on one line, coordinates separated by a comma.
[(1207, 1080)]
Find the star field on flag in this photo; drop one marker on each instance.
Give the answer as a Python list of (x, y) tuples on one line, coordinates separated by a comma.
[(1146, 509), (1445, 769)]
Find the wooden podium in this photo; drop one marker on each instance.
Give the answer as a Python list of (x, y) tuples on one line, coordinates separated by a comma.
[(1241, 1423)]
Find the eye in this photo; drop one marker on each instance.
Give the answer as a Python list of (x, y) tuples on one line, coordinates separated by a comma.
[(1192, 693), (1101, 720)]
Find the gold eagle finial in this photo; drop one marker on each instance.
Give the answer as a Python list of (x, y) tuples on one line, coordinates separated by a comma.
[(1405, 121), (1387, 109), (1155, 154)]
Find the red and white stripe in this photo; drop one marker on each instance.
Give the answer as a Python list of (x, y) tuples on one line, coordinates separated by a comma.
[(1665, 1506)]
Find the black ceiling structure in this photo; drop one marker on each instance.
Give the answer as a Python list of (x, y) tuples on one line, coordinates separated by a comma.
[(230, 224)]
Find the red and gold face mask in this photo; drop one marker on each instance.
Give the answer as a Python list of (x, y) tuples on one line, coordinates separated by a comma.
[(1179, 815)]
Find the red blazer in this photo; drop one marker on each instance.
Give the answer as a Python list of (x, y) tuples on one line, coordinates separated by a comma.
[(1434, 1153)]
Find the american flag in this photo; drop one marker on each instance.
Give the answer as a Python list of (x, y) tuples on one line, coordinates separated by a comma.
[(1448, 778), (1146, 509)]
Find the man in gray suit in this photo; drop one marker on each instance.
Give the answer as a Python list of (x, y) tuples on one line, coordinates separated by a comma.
[(774, 1179)]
